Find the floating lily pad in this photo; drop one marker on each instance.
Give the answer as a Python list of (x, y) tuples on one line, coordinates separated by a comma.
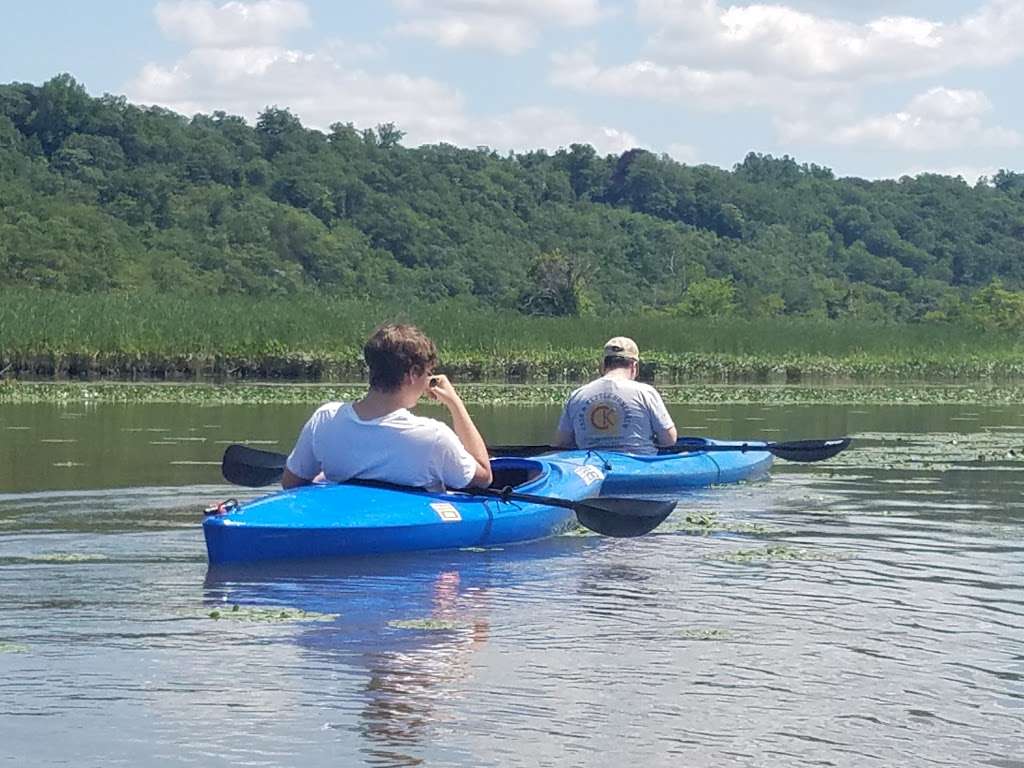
[(706, 634), (433, 625), (269, 615), (895, 393), (768, 554), (63, 557), (705, 523)]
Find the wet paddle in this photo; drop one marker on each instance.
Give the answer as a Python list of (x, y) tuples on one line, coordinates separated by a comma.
[(794, 450), (253, 468)]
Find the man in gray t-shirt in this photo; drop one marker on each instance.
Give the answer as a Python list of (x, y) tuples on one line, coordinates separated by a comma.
[(616, 412)]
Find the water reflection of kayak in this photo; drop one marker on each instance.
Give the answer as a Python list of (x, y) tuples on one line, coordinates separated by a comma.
[(372, 596), (345, 520), (407, 626)]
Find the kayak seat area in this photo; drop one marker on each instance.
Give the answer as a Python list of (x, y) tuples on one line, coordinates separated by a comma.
[(511, 476)]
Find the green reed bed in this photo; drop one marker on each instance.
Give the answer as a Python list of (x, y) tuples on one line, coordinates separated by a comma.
[(310, 338), (200, 394)]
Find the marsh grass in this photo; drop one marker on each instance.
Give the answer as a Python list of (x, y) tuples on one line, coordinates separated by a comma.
[(48, 335)]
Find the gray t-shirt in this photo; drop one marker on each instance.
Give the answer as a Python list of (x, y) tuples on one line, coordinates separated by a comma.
[(615, 414)]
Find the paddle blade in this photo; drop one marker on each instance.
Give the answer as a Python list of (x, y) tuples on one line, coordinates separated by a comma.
[(809, 450), (622, 518), (251, 467)]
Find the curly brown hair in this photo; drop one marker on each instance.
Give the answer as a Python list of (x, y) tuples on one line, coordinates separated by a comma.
[(395, 349)]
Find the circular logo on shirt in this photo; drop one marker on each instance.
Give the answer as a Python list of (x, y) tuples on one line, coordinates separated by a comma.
[(603, 418)]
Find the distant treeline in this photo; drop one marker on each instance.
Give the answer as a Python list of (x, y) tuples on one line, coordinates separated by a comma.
[(99, 195)]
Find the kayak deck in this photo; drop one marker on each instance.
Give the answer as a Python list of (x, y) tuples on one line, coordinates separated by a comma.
[(628, 473), (331, 520)]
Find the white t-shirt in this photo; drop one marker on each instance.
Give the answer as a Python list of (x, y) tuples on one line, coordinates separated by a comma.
[(615, 414), (398, 448)]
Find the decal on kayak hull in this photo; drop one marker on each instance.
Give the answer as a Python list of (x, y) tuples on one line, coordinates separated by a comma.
[(589, 474), (446, 511)]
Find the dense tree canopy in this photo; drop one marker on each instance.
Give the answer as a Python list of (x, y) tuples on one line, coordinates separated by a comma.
[(97, 194)]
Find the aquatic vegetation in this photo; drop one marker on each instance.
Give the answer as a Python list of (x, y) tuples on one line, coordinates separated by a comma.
[(773, 553), (706, 523), (706, 634), (174, 338), (12, 648), (200, 394), (935, 451), (270, 615), (433, 625), (62, 557)]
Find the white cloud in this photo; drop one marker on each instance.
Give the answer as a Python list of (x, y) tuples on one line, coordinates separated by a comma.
[(541, 127), (948, 104), (508, 35), (201, 23), (566, 12), (780, 40), (246, 80), (506, 26), (682, 153), (810, 71), (939, 119), (680, 84), (322, 88)]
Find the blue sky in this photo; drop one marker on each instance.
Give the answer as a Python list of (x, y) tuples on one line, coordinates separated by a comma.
[(873, 89)]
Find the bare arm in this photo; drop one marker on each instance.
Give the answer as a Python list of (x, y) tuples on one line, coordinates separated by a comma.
[(442, 390), (564, 439), (290, 480), (664, 436), (667, 437)]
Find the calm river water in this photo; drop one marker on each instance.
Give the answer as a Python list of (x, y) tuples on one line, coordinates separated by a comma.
[(868, 610)]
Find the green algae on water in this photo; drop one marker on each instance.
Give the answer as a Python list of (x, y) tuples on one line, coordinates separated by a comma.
[(706, 523), (195, 393), (433, 625), (63, 557), (706, 634), (269, 615), (772, 554), (12, 648)]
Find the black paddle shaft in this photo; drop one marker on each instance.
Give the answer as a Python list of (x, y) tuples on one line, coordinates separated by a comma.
[(794, 450), (608, 516)]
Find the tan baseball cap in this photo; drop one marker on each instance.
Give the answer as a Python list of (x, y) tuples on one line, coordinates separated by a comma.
[(621, 346)]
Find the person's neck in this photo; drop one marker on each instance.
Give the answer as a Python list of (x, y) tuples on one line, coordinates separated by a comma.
[(618, 373), (377, 403)]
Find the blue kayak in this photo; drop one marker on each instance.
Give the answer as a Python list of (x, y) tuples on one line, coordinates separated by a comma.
[(628, 473), (337, 520)]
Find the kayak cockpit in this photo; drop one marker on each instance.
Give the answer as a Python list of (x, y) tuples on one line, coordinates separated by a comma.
[(513, 472)]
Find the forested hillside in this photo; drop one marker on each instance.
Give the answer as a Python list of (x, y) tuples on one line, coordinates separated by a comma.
[(100, 195)]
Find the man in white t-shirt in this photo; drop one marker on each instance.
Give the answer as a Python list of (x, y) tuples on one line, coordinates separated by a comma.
[(377, 438), (616, 412)]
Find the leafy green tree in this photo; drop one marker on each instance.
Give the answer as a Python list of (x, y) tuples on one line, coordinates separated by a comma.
[(557, 286), (100, 194), (710, 297), (996, 308)]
